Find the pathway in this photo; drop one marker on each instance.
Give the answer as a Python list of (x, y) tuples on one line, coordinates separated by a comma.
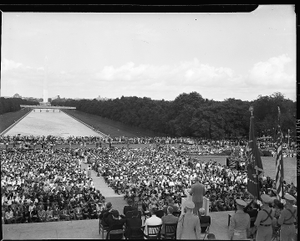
[(117, 200)]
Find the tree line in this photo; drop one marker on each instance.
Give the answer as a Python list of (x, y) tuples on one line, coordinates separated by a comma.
[(13, 104), (191, 115)]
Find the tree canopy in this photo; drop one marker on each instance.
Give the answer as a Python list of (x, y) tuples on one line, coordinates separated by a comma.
[(193, 116)]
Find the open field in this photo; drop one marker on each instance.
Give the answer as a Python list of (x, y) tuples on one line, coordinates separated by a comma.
[(110, 127), (9, 118), (289, 163)]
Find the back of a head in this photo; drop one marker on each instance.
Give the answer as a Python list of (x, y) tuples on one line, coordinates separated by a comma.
[(202, 211), (170, 200), (211, 236), (108, 205), (153, 210), (115, 213), (130, 201), (170, 209)]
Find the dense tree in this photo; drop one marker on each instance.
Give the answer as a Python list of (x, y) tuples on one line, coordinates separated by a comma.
[(191, 115), (13, 104)]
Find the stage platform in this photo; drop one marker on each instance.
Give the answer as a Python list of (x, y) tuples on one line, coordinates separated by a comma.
[(87, 229)]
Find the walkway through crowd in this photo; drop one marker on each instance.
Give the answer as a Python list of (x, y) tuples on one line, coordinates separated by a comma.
[(117, 200)]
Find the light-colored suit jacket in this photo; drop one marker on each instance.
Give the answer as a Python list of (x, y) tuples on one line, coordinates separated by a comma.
[(188, 227)]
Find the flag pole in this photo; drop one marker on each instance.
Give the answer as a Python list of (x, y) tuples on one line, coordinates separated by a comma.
[(279, 160), (254, 162), (251, 109)]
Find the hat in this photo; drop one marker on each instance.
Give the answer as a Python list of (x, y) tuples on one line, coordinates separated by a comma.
[(289, 197), (241, 202), (189, 204), (266, 198)]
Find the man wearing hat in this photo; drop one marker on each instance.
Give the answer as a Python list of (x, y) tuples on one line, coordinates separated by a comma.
[(197, 192), (239, 227), (264, 220), (188, 226), (287, 219)]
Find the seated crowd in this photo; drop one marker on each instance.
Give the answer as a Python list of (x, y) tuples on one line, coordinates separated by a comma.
[(165, 223), (51, 180), (46, 185), (149, 175)]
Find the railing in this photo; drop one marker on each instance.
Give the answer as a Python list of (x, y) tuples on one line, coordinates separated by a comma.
[(48, 107)]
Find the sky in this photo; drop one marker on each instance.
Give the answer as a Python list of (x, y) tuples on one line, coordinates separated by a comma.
[(155, 55)]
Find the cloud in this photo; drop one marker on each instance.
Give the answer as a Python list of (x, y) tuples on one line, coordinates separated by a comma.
[(154, 81), (272, 73), (7, 65), (185, 73)]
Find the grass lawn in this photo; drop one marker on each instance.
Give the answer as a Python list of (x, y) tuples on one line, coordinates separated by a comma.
[(9, 118), (110, 127)]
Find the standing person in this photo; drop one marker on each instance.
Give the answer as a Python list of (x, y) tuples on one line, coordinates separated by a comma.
[(287, 219), (239, 227), (197, 192), (264, 220), (188, 226)]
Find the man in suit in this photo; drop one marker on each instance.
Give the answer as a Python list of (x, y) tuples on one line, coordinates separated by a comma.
[(170, 202), (197, 192), (129, 207), (105, 214), (169, 218), (115, 222), (134, 226)]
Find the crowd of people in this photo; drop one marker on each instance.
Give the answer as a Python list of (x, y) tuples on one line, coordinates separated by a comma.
[(151, 174), (50, 181), (46, 185), (187, 145)]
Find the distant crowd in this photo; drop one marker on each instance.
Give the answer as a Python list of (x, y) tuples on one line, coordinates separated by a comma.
[(186, 145), (46, 184)]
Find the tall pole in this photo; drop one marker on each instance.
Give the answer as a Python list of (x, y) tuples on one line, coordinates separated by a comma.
[(45, 91), (288, 144)]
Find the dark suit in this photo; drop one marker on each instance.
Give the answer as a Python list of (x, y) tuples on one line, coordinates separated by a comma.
[(170, 218), (104, 215), (133, 223), (128, 208), (204, 222), (197, 192), (115, 224)]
